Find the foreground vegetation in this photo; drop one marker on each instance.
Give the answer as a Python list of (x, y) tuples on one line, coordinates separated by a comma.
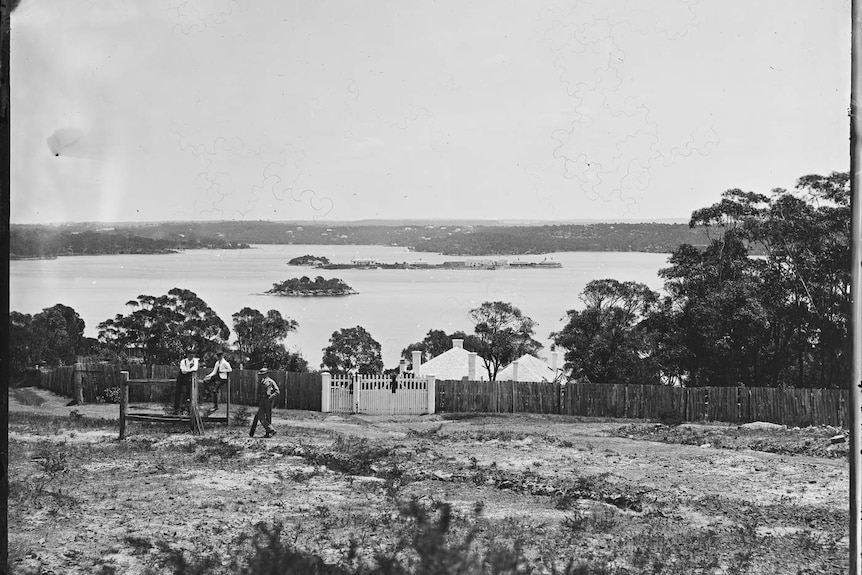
[(458, 494)]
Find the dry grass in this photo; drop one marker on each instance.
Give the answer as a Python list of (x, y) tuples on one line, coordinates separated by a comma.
[(320, 501)]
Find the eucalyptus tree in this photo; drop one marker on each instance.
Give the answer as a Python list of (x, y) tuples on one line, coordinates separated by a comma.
[(54, 336), (502, 334), (780, 317), (352, 350), (260, 339), (166, 326), (604, 342)]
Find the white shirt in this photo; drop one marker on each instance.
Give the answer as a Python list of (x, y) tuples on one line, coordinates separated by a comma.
[(189, 365), (222, 368)]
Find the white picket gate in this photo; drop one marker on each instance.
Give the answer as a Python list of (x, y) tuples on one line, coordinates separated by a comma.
[(378, 394)]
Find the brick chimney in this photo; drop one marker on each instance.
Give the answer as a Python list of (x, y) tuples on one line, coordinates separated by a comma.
[(417, 361), (555, 361), (402, 366), (514, 371), (459, 343)]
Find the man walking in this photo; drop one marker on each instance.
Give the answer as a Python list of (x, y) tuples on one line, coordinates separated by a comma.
[(218, 377), (268, 391), (188, 366)]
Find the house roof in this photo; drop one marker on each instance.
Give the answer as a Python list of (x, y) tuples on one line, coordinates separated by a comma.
[(529, 369), (452, 364)]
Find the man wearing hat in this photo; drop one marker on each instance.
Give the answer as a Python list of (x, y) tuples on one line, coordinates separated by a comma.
[(188, 365), (218, 377), (268, 392)]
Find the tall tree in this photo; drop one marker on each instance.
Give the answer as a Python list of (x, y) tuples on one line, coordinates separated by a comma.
[(54, 336), (503, 334), (802, 283), (260, 339), (352, 350), (717, 314), (604, 342), (166, 326)]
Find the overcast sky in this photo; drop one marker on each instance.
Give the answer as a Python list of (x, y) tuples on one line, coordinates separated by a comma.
[(125, 110)]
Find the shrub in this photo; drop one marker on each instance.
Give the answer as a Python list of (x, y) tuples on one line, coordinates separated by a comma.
[(110, 395), (428, 546), (217, 447), (670, 417), (26, 396), (241, 416)]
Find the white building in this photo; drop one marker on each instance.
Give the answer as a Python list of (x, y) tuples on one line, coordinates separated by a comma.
[(454, 364), (529, 368)]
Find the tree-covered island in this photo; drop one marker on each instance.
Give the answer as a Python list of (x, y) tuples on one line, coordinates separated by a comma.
[(308, 260), (305, 286)]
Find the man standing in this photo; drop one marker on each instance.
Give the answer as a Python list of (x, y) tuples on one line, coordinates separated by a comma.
[(268, 392), (188, 366), (218, 377)]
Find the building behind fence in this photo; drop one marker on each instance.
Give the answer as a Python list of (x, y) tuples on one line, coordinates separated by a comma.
[(792, 406)]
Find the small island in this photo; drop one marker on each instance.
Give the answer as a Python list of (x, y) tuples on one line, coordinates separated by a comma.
[(308, 260), (305, 286)]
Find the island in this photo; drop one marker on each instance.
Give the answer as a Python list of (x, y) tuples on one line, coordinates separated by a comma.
[(305, 286), (308, 260), (323, 263)]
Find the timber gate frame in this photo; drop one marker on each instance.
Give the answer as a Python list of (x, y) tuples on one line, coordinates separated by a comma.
[(194, 418)]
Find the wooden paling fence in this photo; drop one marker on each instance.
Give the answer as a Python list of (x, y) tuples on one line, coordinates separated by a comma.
[(298, 390), (787, 406)]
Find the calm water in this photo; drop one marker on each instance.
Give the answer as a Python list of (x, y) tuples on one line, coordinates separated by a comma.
[(397, 307)]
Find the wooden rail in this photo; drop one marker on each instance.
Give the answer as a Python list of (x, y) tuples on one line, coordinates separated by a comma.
[(194, 418)]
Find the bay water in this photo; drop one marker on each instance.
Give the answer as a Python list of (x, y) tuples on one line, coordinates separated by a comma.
[(397, 307)]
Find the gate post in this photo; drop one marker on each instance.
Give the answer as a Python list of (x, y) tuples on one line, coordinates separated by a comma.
[(124, 401), (78, 384), (357, 391), (432, 393), (326, 392)]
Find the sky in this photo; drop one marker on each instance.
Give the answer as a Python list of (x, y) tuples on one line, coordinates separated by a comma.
[(419, 109)]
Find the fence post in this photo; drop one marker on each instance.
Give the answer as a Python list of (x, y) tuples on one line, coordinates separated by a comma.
[(124, 401), (78, 384), (197, 425), (357, 389), (227, 405), (326, 392), (432, 393)]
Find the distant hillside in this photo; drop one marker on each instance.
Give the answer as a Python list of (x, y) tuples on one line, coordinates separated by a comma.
[(461, 239), (34, 241)]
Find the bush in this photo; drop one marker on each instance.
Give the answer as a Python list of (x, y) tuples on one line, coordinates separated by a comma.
[(428, 547), (670, 417), (27, 396), (241, 416), (110, 395)]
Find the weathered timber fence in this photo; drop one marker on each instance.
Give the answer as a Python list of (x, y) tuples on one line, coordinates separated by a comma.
[(790, 406), (298, 390), (81, 381)]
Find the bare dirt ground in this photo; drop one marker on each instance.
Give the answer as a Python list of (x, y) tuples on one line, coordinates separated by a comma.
[(552, 490)]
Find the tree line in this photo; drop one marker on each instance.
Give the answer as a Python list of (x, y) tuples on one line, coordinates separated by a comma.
[(473, 239), (765, 302), (37, 241)]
